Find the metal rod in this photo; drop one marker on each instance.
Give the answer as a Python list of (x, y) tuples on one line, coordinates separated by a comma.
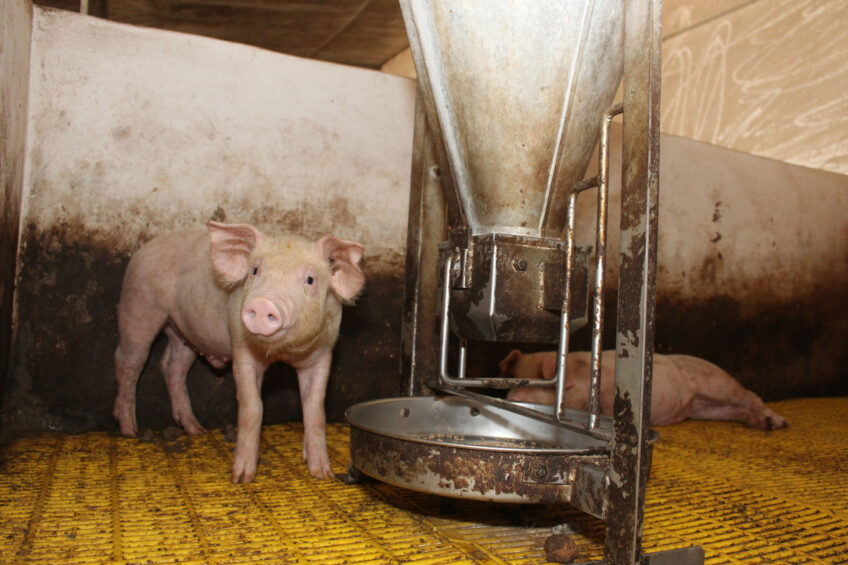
[(580, 427), (586, 184), (425, 228), (600, 267), (565, 324), (461, 361), (445, 322), (444, 342)]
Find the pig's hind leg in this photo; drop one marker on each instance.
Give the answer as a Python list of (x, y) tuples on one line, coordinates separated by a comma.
[(176, 362), (721, 397), (747, 408), (138, 326)]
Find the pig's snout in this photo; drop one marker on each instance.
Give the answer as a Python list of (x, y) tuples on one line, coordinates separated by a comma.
[(262, 317)]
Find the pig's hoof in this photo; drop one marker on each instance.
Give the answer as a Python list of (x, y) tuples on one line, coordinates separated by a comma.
[(322, 470), (766, 419), (243, 477), (190, 425), (243, 473), (128, 431), (127, 426), (775, 422), (194, 429)]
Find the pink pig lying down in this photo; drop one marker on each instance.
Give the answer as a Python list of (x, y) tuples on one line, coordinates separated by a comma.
[(683, 387), (233, 294)]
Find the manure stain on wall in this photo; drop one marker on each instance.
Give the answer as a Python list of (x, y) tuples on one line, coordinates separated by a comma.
[(62, 360), (777, 348), (62, 368)]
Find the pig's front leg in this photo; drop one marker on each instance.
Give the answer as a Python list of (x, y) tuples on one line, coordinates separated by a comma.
[(312, 379), (247, 373)]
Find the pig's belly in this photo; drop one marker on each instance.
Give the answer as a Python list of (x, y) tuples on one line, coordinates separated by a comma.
[(216, 349)]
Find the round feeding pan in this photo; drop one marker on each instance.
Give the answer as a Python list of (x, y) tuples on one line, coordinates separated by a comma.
[(459, 447)]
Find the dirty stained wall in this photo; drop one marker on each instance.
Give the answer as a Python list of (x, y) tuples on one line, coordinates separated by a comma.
[(170, 130), (15, 29), (165, 132), (749, 281)]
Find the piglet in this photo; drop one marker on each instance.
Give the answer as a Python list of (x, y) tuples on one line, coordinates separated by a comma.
[(683, 387), (233, 294)]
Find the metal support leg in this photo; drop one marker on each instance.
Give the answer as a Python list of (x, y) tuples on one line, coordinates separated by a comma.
[(630, 456), (427, 227)]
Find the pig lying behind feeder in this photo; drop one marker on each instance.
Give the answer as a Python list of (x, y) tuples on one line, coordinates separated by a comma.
[(683, 387), (233, 294)]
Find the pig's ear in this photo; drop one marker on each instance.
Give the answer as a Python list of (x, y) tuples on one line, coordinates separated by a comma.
[(344, 256), (230, 248), (508, 364)]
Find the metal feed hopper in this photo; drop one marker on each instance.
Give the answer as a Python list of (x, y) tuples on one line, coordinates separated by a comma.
[(514, 98)]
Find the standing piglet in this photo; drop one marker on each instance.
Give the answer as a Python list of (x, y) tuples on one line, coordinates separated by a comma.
[(682, 387), (235, 295)]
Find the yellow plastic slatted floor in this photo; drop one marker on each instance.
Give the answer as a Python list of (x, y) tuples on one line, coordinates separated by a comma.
[(745, 496)]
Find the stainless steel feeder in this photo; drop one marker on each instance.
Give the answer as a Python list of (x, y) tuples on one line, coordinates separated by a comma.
[(462, 448), (513, 99)]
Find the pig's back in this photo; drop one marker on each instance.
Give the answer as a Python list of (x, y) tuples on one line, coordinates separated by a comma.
[(164, 261), (175, 272)]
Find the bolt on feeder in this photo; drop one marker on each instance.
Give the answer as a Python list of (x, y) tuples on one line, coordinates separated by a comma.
[(514, 98)]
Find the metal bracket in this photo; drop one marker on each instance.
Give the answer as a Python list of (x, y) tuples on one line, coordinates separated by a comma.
[(461, 271)]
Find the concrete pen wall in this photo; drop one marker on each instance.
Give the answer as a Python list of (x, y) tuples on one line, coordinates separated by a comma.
[(133, 132)]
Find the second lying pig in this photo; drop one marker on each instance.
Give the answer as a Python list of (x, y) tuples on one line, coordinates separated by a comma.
[(683, 387)]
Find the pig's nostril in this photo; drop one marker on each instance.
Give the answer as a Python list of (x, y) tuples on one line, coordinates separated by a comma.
[(261, 317)]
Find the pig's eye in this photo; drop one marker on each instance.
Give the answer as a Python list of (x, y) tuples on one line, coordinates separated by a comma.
[(309, 280), (255, 270)]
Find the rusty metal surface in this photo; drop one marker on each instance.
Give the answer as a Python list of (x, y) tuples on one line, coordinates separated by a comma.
[(599, 283), (517, 124), (565, 328), (456, 447), (446, 471), (629, 456), (513, 280)]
